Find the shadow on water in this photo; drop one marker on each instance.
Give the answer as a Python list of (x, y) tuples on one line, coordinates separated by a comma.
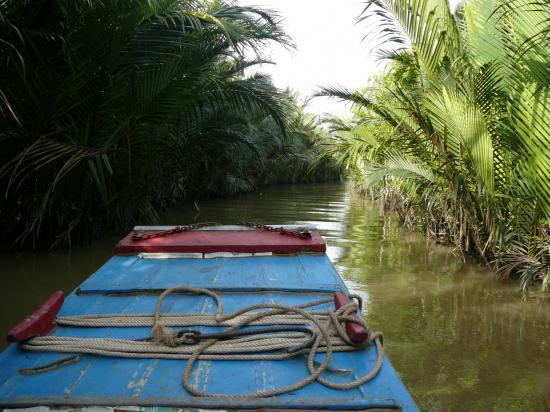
[(459, 339)]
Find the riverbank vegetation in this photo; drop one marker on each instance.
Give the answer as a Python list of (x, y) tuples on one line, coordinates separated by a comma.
[(111, 111), (455, 135)]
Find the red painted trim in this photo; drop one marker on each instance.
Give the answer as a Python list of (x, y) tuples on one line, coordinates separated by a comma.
[(40, 322), (355, 331), (223, 241)]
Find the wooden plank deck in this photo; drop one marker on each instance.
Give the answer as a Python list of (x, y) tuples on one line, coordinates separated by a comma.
[(286, 273), (103, 381)]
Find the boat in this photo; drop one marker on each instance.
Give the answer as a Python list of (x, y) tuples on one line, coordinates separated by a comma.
[(121, 339)]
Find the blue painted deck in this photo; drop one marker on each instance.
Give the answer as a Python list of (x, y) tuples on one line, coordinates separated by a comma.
[(152, 382)]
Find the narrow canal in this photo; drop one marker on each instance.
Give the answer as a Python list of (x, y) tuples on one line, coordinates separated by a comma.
[(459, 339)]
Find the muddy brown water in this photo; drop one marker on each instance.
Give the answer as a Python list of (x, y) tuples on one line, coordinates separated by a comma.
[(460, 340)]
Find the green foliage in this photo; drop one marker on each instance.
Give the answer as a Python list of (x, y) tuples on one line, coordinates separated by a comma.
[(458, 128), (111, 110)]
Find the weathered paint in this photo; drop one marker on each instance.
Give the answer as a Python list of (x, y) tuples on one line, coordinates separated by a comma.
[(286, 273), (103, 381), (355, 330), (242, 241), (40, 322)]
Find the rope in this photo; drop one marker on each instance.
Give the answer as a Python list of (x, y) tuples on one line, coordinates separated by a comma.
[(167, 343)]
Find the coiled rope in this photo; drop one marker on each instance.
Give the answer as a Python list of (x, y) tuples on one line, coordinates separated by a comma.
[(328, 327)]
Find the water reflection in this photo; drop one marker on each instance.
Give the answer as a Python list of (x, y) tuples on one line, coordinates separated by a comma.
[(460, 340)]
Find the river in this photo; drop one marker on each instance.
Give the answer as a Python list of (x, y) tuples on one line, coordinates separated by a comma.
[(461, 340)]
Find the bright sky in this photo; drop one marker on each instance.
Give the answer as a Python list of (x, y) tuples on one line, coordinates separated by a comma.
[(330, 48)]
